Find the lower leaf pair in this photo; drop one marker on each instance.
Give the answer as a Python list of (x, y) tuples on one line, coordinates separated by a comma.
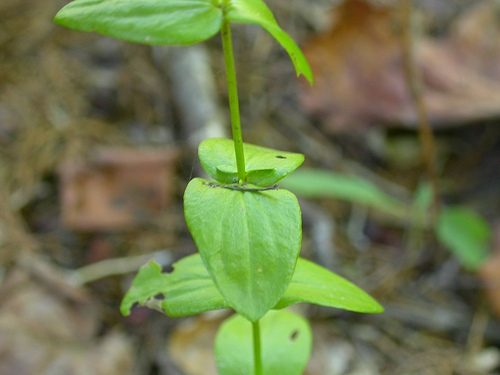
[(286, 337), (249, 239), (189, 290)]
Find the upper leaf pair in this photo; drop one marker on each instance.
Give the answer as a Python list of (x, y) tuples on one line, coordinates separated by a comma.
[(264, 166), (174, 22)]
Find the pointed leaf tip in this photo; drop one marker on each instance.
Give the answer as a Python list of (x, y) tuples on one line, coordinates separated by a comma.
[(256, 12)]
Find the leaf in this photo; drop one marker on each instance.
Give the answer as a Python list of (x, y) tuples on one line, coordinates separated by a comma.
[(316, 183), (314, 284), (174, 22), (145, 21), (249, 242), (256, 12), (264, 166), (286, 341), (359, 72), (466, 234), (188, 290)]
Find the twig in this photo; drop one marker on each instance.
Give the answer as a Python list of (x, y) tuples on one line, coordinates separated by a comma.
[(116, 266), (414, 80)]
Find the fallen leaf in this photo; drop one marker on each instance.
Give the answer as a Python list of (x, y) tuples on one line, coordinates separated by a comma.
[(118, 189), (360, 80)]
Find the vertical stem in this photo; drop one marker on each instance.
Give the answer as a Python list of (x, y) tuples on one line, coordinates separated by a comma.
[(233, 100), (414, 79), (256, 348)]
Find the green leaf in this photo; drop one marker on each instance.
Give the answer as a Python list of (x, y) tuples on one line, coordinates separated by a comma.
[(249, 242), (315, 183), (264, 166), (314, 284), (422, 202), (174, 22), (145, 21), (256, 12), (188, 290), (286, 341), (466, 234)]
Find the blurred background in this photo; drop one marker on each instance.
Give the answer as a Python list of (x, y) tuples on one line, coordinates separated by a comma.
[(400, 189)]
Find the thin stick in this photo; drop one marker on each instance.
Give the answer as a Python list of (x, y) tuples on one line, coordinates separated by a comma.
[(257, 348), (232, 90), (414, 80), (115, 266)]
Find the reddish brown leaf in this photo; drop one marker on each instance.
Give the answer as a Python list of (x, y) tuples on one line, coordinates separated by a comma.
[(360, 80), (118, 189)]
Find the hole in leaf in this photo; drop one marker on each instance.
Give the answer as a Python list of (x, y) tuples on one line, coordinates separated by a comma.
[(294, 335), (280, 157), (168, 268), (159, 297)]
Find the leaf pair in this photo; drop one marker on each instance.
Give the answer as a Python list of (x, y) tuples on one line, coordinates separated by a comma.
[(189, 290), (174, 22), (264, 166), (249, 238)]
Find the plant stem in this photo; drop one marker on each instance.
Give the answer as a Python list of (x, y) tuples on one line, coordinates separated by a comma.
[(415, 84), (233, 100), (256, 348)]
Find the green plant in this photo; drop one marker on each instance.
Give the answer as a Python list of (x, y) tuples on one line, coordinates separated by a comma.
[(460, 229), (248, 232)]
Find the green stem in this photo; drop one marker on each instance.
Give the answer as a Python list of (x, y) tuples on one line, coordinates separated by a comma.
[(256, 348), (234, 107)]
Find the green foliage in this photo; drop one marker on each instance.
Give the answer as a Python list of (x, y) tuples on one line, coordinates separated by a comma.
[(174, 22), (145, 21), (256, 12), (249, 242), (466, 234), (286, 345), (315, 183), (312, 283), (247, 231), (264, 166), (189, 289)]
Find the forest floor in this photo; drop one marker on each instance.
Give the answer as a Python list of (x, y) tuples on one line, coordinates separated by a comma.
[(98, 140)]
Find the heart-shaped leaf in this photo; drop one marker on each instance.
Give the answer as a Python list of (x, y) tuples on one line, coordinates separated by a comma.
[(188, 290), (286, 342), (264, 166), (249, 242), (145, 21)]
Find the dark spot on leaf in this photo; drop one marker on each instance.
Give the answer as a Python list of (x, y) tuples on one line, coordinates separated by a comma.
[(280, 157), (159, 297), (168, 268), (294, 335)]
